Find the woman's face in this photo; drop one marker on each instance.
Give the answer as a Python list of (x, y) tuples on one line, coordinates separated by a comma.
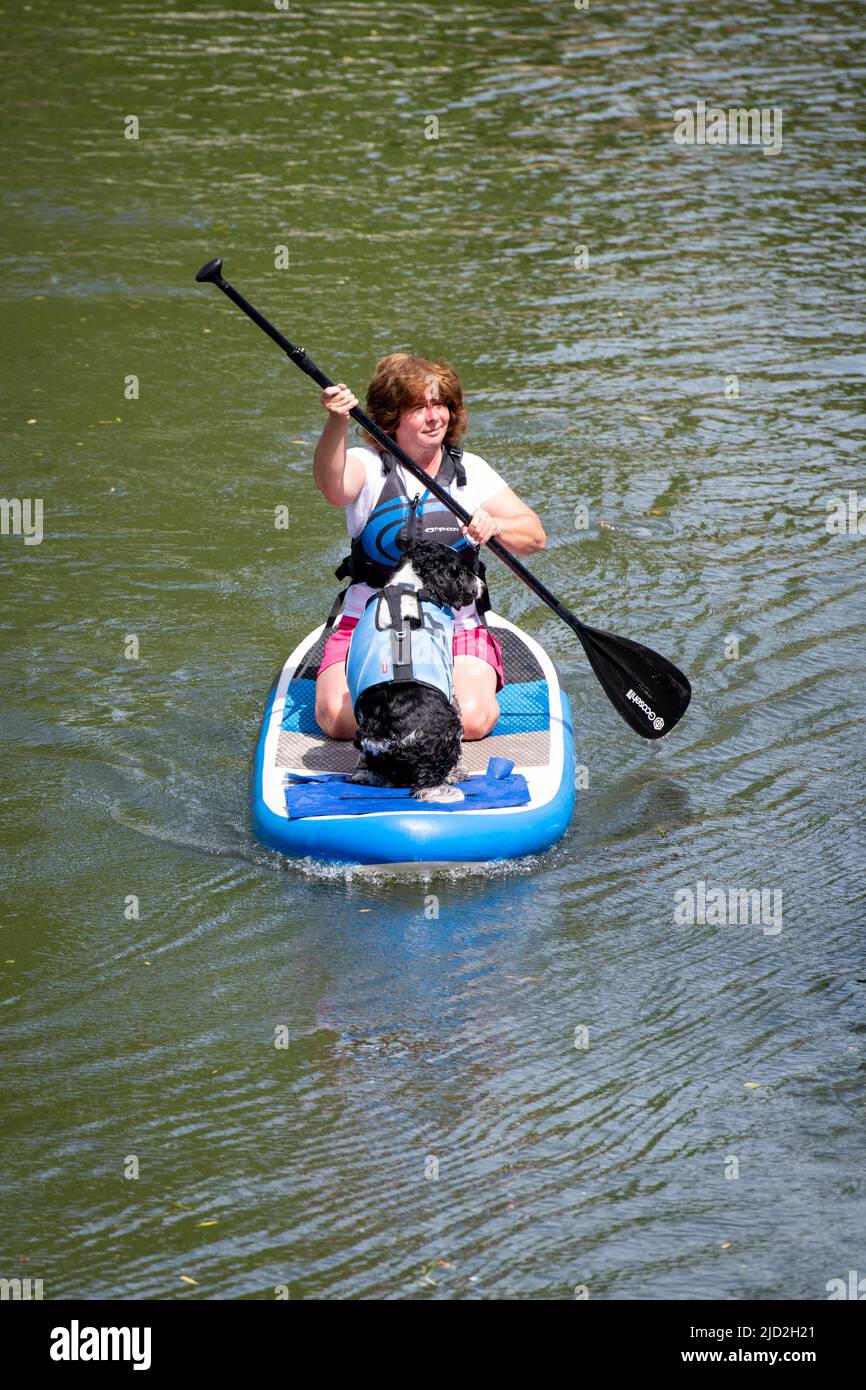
[(423, 427)]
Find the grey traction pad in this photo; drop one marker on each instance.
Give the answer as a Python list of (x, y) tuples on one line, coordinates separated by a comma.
[(311, 750)]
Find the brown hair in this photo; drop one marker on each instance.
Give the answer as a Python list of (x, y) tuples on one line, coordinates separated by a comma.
[(402, 381)]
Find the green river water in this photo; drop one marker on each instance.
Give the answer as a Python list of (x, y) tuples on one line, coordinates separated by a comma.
[(694, 380)]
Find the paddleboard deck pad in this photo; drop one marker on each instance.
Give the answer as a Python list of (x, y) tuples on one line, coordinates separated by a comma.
[(534, 733)]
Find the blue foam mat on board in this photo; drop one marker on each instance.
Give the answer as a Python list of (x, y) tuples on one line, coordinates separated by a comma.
[(337, 796)]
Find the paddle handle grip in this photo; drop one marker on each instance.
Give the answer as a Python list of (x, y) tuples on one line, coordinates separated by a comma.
[(211, 273)]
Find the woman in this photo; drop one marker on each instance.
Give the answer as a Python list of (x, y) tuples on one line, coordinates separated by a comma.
[(420, 404)]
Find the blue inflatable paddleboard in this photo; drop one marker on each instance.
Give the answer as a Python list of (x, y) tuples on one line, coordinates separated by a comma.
[(533, 741)]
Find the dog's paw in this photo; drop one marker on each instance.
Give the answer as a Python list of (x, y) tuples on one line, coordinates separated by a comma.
[(443, 793)]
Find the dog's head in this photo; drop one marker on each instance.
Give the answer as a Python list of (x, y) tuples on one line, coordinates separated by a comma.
[(439, 570)]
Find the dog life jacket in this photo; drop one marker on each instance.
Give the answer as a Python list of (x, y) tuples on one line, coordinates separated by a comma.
[(401, 636)]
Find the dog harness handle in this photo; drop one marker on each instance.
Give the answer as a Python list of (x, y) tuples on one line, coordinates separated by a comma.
[(410, 649)]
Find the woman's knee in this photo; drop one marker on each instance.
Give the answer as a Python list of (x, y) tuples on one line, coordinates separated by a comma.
[(478, 716), (334, 714)]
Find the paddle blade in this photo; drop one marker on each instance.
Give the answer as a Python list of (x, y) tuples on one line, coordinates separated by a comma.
[(645, 688)]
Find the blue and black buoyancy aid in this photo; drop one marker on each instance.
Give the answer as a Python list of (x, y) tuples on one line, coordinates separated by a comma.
[(401, 636), (396, 519)]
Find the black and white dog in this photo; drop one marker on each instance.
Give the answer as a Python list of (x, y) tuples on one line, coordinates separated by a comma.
[(409, 729)]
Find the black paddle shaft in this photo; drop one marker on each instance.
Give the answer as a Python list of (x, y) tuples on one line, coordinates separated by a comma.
[(647, 690)]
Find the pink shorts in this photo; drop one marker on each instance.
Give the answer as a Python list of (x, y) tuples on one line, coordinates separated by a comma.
[(469, 641)]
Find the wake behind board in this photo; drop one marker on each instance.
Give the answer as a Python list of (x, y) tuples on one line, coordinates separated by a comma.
[(534, 731)]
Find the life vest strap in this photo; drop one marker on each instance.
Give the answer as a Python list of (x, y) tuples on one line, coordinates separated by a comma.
[(450, 453), (393, 596), (401, 653), (329, 623)]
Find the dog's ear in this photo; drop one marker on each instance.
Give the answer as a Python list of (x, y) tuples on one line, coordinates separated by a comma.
[(451, 579), (471, 588)]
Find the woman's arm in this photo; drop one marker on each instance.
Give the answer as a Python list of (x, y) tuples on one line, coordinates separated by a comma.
[(510, 520), (339, 478)]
